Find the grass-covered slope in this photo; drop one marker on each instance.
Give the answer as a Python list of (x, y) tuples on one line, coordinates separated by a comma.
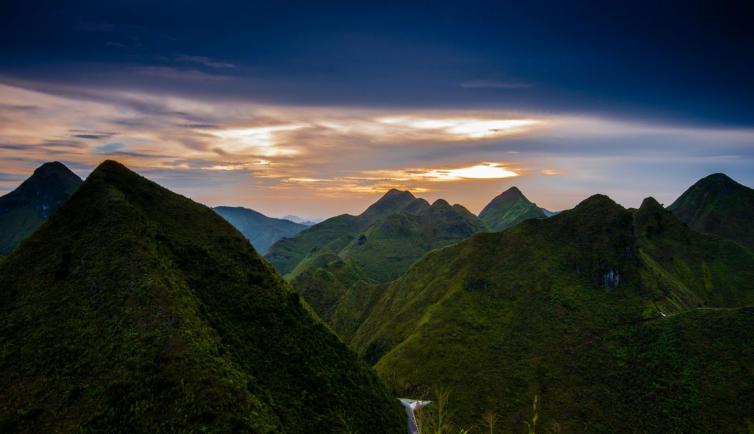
[(508, 209), (24, 209), (613, 318), (134, 309), (260, 230), (718, 205), (335, 233)]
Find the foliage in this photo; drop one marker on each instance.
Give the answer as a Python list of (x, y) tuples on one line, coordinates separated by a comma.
[(607, 314), (134, 309)]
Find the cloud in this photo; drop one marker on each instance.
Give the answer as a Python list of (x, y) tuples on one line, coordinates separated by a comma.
[(316, 160), (201, 60), (109, 148), (178, 73), (488, 84)]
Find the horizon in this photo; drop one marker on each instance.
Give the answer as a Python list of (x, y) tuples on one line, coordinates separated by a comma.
[(379, 195), (323, 111)]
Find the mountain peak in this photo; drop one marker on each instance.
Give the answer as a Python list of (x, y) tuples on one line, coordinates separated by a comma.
[(440, 204), (596, 201), (718, 205), (52, 167), (513, 191), (24, 209), (508, 209), (391, 202)]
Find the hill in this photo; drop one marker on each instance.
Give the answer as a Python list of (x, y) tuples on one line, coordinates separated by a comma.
[(508, 209), (24, 209), (260, 230), (135, 309), (718, 205), (615, 320)]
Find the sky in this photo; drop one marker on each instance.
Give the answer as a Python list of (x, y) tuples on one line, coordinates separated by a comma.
[(317, 108)]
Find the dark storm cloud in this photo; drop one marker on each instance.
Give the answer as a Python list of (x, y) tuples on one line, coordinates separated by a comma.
[(687, 62)]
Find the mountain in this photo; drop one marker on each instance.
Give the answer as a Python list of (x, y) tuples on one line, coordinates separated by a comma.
[(614, 320), (718, 205), (508, 209), (134, 309), (336, 232), (24, 209), (381, 253), (260, 230), (299, 220)]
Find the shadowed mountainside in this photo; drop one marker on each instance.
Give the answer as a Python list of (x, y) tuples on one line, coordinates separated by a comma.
[(24, 209), (260, 230), (135, 309)]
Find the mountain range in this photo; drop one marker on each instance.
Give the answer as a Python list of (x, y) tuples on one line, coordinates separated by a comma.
[(24, 209), (135, 309), (260, 230), (612, 319)]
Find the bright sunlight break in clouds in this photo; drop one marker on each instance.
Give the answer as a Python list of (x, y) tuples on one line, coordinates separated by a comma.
[(328, 160)]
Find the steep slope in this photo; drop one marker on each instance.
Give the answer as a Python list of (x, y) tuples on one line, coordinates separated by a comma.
[(389, 247), (508, 209), (260, 230), (606, 315), (381, 253), (335, 233), (137, 310), (24, 209), (718, 205)]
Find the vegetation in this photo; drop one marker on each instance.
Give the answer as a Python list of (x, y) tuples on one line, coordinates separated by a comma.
[(616, 320), (335, 233), (718, 205), (509, 209), (260, 230), (24, 209), (401, 229), (134, 309)]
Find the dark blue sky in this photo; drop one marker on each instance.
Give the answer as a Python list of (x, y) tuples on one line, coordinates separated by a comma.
[(685, 62)]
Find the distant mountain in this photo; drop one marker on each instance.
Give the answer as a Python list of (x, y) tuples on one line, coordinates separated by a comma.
[(299, 220), (260, 230), (508, 209), (614, 320), (24, 209), (718, 205), (549, 213), (135, 309), (337, 232)]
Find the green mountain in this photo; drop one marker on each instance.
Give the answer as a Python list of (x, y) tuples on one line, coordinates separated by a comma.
[(508, 209), (259, 229), (335, 233), (381, 253), (134, 309), (718, 205), (24, 209), (615, 320)]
